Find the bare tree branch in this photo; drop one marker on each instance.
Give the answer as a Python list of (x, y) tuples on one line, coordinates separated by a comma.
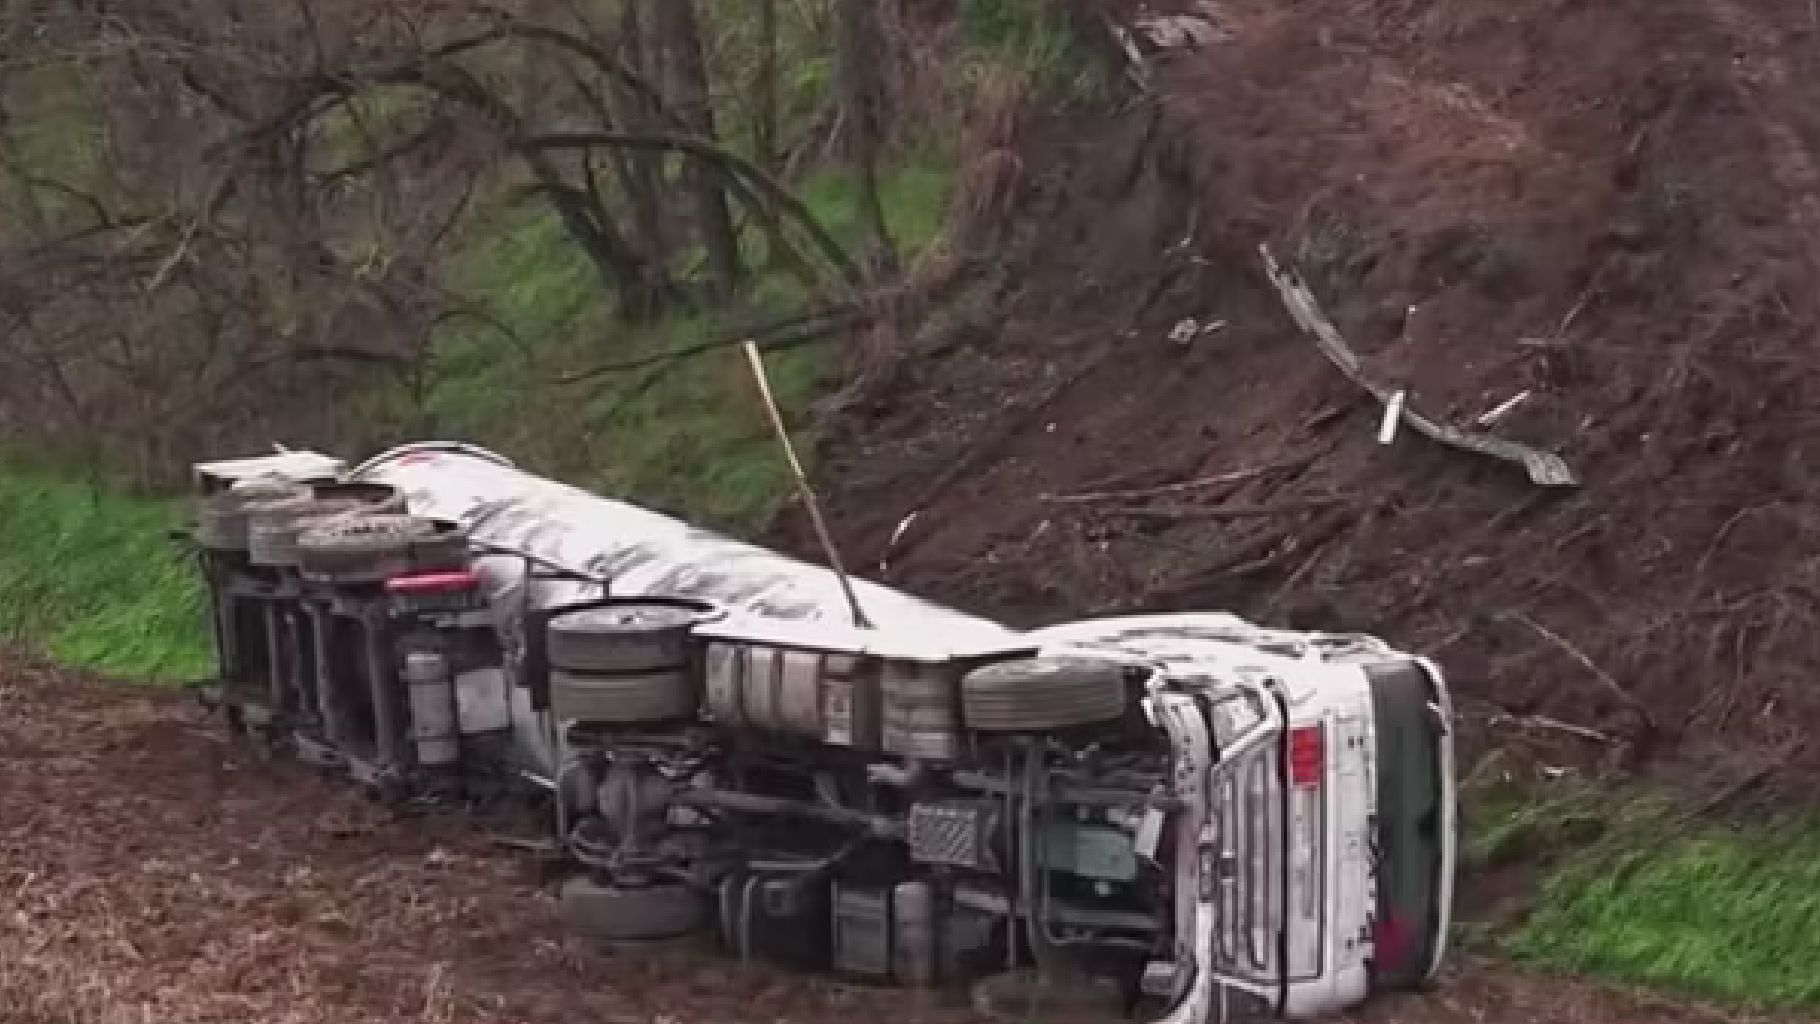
[(735, 163), (789, 332)]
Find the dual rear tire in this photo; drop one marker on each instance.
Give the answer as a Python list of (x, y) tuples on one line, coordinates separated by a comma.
[(623, 663), (369, 547)]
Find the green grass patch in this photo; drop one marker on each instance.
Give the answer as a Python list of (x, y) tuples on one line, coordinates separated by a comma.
[(914, 193), (1035, 37), (688, 436), (1725, 913), (90, 578)]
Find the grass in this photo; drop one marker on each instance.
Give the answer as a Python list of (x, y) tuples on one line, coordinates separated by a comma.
[(1726, 913), (1035, 37), (90, 579), (689, 436), (914, 193)]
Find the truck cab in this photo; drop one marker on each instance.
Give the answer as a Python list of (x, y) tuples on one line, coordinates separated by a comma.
[(1327, 857)]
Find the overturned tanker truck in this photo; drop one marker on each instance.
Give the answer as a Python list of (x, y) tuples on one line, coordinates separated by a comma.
[(1210, 818)]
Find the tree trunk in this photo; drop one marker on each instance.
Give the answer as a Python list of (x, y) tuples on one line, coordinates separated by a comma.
[(643, 172), (862, 94), (691, 98), (593, 229), (764, 114)]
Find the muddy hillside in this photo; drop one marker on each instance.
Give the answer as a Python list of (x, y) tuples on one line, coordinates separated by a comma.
[(1603, 213)]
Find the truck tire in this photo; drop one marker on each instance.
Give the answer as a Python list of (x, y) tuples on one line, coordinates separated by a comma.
[(1035, 694), (624, 698), (272, 536), (610, 913), (360, 547), (630, 637)]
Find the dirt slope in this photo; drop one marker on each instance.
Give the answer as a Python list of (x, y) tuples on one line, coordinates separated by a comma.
[(1608, 205), (148, 872)]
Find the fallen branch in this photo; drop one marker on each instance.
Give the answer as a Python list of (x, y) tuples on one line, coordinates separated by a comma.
[(1242, 559), (1552, 725), (1225, 511), (1545, 468), (1233, 477), (972, 458), (1447, 641), (1629, 699), (773, 337), (1302, 572)]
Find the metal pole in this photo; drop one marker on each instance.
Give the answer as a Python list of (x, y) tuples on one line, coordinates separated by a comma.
[(802, 483)]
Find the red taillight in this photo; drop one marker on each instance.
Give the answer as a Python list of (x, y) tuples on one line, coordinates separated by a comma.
[(452, 582), (1307, 757), (1390, 943)]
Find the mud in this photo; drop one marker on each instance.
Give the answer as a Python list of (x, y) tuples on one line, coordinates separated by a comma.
[(1607, 206), (150, 871)]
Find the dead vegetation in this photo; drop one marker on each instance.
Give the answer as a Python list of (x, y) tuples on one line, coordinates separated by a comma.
[(225, 224), (1597, 208)]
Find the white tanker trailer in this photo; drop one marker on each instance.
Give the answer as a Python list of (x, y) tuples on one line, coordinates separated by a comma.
[(1206, 818)]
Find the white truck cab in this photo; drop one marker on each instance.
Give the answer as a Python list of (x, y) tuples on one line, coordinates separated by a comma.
[(1326, 854)]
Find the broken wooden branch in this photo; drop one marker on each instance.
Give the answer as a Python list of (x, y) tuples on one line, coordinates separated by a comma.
[(775, 336), (1224, 511), (1502, 409), (1624, 696), (1543, 722), (1544, 468), (1232, 477), (1247, 556), (1295, 579)]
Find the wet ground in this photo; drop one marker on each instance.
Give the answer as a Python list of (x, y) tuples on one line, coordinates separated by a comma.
[(153, 873)]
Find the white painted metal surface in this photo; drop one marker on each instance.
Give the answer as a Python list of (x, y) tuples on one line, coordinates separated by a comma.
[(286, 465), (645, 553)]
